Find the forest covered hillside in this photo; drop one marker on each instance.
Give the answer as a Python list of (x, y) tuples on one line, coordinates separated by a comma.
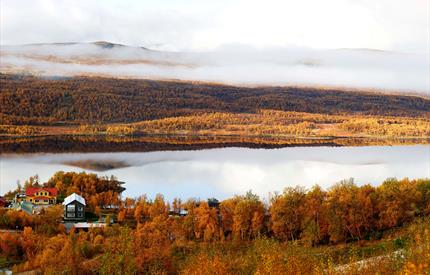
[(42, 101)]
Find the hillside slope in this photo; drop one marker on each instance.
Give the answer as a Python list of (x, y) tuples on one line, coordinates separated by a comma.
[(38, 101)]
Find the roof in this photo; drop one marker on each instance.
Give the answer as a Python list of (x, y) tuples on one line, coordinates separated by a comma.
[(30, 191), (74, 197)]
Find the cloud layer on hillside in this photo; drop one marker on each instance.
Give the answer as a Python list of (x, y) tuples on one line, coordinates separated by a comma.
[(232, 64)]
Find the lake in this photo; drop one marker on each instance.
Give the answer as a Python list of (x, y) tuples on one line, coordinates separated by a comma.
[(224, 172)]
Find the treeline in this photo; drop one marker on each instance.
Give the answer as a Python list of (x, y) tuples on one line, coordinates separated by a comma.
[(343, 213), (262, 123), (242, 234), (99, 192), (270, 122), (21, 130), (150, 143), (37, 101)]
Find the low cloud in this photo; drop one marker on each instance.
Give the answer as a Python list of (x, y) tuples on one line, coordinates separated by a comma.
[(231, 64)]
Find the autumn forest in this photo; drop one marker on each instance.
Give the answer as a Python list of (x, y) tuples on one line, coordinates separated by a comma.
[(348, 228), (298, 231), (214, 137), (92, 106)]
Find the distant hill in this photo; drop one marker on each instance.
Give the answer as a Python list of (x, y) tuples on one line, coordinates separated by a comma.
[(31, 100)]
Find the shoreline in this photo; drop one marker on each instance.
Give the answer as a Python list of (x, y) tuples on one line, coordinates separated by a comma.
[(150, 143)]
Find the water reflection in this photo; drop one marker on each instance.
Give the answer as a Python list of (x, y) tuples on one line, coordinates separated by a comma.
[(224, 172)]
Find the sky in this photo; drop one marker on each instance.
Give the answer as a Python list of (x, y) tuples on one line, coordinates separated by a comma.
[(202, 25)]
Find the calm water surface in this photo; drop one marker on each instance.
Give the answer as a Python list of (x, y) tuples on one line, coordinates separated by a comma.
[(224, 172)]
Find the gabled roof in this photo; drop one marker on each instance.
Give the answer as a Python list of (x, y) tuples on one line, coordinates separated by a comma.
[(30, 191), (74, 197)]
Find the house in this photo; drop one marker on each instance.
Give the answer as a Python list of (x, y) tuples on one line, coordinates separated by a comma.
[(213, 203), (18, 198), (74, 208), (3, 202), (41, 195), (180, 213)]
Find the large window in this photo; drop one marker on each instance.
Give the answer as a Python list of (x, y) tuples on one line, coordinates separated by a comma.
[(71, 208), (71, 214)]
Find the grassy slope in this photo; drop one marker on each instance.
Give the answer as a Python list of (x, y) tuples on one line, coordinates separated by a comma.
[(397, 251)]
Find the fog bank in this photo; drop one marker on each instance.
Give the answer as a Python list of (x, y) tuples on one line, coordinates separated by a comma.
[(237, 65)]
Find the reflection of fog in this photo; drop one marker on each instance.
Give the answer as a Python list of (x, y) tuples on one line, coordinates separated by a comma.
[(227, 171)]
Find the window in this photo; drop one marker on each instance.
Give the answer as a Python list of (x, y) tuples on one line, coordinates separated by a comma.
[(36, 200), (71, 208), (45, 200), (80, 214), (71, 214)]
